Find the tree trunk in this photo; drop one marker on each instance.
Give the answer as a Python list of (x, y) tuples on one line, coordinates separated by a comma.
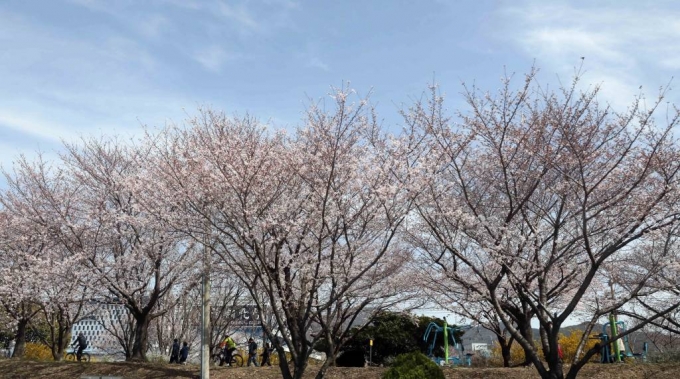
[(141, 337), (505, 352), (283, 363), (300, 365), (63, 338), (322, 371), (527, 333), (20, 346), (556, 371)]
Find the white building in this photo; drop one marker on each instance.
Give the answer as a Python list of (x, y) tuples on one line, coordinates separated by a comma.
[(96, 328)]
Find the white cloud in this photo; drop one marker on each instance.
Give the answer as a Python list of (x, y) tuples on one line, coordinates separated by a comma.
[(625, 44), (29, 124)]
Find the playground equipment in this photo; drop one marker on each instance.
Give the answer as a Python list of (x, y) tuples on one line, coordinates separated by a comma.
[(620, 349), (430, 336)]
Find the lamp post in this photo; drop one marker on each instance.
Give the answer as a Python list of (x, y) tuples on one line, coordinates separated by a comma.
[(205, 312)]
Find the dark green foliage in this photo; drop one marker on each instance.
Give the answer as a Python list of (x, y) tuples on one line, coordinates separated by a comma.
[(36, 332), (351, 358), (392, 333), (414, 365)]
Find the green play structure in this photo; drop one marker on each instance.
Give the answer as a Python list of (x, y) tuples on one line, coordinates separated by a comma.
[(449, 333), (617, 351)]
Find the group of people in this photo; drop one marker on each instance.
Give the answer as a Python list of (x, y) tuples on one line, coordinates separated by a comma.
[(228, 346), (178, 355)]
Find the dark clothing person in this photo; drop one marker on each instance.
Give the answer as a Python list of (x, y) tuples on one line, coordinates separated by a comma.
[(184, 353), (82, 345), (174, 352), (266, 353), (252, 352), (228, 355)]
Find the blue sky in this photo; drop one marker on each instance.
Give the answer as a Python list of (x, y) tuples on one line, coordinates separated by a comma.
[(83, 67)]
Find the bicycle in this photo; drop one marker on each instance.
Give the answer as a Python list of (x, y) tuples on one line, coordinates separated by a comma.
[(71, 356), (236, 358)]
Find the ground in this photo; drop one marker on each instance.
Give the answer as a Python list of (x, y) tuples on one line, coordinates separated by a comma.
[(18, 369)]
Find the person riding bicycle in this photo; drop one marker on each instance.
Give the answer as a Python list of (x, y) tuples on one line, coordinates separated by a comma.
[(82, 345), (229, 348)]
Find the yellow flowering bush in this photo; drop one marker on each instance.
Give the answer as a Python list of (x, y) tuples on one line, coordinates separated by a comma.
[(38, 351), (570, 342)]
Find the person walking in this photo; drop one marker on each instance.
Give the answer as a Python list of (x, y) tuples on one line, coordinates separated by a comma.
[(174, 352), (252, 352), (184, 353), (266, 352)]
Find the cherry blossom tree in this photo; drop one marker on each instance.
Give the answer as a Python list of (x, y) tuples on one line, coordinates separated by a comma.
[(62, 291), (538, 192), (20, 279), (90, 215), (28, 263), (308, 223), (65, 300), (135, 259)]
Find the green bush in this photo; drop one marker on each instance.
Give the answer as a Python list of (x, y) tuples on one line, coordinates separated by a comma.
[(414, 365)]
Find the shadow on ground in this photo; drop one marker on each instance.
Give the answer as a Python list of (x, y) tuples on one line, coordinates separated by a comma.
[(23, 369)]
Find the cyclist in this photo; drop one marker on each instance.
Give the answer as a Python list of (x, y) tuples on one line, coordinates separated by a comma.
[(229, 347), (82, 345)]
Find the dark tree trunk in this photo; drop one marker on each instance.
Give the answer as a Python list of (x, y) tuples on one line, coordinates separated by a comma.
[(141, 337), (505, 351), (20, 346), (300, 365), (59, 345), (62, 337), (283, 363), (527, 333)]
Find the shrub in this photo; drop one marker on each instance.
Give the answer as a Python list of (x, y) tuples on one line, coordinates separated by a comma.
[(516, 355), (672, 356), (156, 358), (351, 358), (414, 365), (570, 343), (38, 351)]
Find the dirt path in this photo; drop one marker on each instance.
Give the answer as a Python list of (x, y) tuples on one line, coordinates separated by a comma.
[(17, 369)]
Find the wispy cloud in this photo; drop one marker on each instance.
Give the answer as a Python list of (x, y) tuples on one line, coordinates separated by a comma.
[(34, 126), (239, 14), (213, 58), (625, 46), (153, 26), (316, 62)]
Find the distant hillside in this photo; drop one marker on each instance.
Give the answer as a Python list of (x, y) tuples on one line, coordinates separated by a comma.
[(481, 335)]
